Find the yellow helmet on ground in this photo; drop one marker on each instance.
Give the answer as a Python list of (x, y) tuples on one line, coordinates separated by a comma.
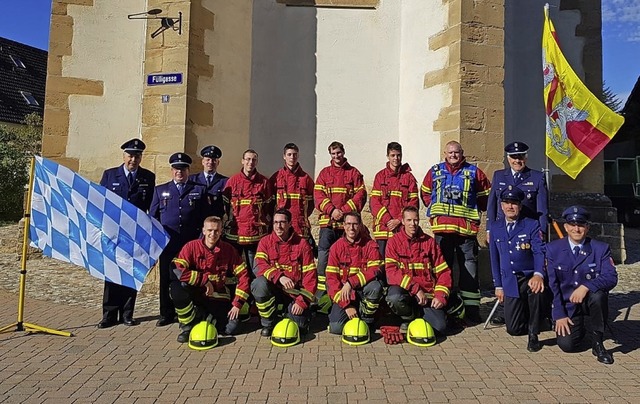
[(355, 332), (420, 333), (455, 307), (204, 335), (324, 304), (285, 333)]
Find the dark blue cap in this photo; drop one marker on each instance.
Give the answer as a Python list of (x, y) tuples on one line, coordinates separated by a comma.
[(180, 160), (516, 148), (512, 194), (576, 214), (212, 151), (133, 146)]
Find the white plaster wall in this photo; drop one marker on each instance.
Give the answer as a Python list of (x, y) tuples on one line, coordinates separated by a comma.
[(420, 107), (107, 47), (358, 79), (228, 46), (352, 75), (283, 83)]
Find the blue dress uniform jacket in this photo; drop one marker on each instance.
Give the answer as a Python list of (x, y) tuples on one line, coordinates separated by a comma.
[(214, 192), (535, 204), (118, 300), (181, 214), (518, 253), (593, 268), (139, 194)]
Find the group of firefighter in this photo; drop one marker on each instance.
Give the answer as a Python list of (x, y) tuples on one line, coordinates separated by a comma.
[(246, 240)]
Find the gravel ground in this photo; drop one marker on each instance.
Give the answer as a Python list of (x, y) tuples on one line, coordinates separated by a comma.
[(56, 281)]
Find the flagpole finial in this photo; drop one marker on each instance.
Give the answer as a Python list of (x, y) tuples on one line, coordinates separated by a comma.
[(546, 7)]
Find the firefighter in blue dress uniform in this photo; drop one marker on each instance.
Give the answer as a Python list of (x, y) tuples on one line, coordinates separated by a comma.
[(535, 204), (181, 206), (134, 184), (581, 274), (212, 180), (532, 183), (517, 264)]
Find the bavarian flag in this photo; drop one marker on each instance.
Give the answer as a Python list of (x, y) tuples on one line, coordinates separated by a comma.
[(578, 124)]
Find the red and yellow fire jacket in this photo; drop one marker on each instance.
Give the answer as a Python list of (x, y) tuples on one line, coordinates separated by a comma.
[(417, 264), (357, 263), (250, 199), (221, 265), (293, 190), (454, 197), (339, 187), (292, 258), (391, 192)]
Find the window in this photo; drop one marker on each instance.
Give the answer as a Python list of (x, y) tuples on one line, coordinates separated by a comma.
[(29, 98), (17, 62)]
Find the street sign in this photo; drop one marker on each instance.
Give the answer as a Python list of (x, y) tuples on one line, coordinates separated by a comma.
[(163, 79)]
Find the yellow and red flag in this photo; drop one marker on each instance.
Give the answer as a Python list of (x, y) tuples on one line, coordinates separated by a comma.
[(579, 125)]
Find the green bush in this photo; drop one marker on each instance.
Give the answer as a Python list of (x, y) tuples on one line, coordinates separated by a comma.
[(17, 146)]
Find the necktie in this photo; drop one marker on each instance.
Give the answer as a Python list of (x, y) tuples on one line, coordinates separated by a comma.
[(516, 176), (130, 178), (180, 186), (209, 179), (510, 227), (576, 250)]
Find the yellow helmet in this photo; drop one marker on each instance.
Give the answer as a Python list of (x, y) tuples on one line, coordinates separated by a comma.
[(324, 304), (285, 333), (355, 332), (420, 333), (455, 308), (204, 335)]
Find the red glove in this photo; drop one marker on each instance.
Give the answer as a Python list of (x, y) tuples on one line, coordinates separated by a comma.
[(391, 334)]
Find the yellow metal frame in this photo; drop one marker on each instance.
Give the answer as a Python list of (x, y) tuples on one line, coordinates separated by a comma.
[(20, 325)]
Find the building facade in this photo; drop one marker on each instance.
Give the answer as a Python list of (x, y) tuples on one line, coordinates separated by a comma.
[(261, 73)]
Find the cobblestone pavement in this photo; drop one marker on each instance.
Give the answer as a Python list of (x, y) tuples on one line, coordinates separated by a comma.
[(146, 364)]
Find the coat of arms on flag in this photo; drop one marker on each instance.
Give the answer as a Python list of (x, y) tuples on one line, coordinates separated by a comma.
[(578, 125), (77, 221)]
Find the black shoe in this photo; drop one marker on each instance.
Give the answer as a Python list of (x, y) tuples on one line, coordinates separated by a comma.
[(533, 345), (184, 336), (601, 353), (473, 319), (130, 322), (163, 321), (106, 323), (497, 320), (266, 331)]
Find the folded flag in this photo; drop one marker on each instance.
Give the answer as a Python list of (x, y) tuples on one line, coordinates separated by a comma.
[(77, 221), (579, 125)]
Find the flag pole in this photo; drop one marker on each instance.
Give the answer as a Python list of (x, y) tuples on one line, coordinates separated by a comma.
[(20, 325)]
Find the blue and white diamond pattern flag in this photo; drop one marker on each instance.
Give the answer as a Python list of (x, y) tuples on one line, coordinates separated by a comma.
[(77, 221)]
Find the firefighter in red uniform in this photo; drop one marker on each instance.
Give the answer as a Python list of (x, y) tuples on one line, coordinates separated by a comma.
[(339, 189), (394, 187), (455, 192), (418, 275), (208, 271), (354, 264), (287, 275), (293, 190), (249, 195)]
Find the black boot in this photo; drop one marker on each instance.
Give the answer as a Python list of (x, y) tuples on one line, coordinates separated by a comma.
[(185, 331), (472, 315), (533, 345), (599, 350)]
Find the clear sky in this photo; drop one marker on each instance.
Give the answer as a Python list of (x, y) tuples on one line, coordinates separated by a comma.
[(27, 21)]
